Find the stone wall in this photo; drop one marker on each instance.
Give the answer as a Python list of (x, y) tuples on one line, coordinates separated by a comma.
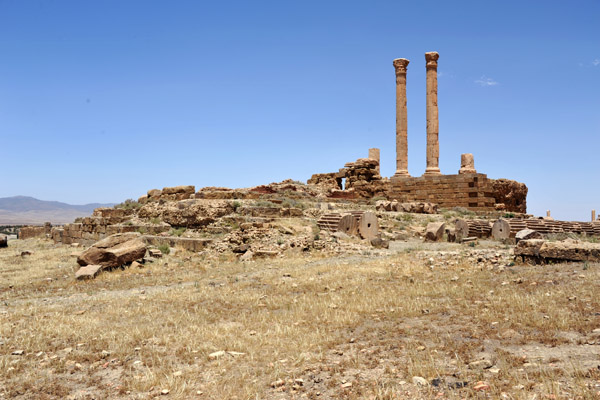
[(472, 191), (510, 195), (329, 180), (28, 232), (169, 194), (103, 222), (362, 176)]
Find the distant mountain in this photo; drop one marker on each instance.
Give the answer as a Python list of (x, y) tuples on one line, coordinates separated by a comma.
[(28, 210)]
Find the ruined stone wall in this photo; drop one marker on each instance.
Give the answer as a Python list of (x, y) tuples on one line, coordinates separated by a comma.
[(510, 195), (169, 194), (28, 232), (362, 176), (472, 191), (330, 180), (103, 222)]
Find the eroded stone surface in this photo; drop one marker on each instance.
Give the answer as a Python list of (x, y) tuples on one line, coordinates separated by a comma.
[(88, 272)]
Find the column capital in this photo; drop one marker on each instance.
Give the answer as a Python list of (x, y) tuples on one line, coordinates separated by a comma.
[(431, 59), (400, 65)]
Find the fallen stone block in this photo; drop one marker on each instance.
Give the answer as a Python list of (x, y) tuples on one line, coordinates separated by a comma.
[(3, 240), (380, 243), (540, 251), (88, 272), (526, 234), (434, 231), (114, 251)]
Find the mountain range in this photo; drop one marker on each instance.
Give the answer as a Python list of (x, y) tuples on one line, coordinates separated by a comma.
[(24, 210)]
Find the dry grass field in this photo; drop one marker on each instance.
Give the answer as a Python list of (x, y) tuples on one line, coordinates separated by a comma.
[(305, 327)]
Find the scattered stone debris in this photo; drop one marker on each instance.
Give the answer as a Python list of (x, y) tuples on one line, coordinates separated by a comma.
[(411, 207), (542, 251)]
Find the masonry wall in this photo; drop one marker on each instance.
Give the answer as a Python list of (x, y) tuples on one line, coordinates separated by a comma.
[(472, 191), (103, 222), (28, 232)]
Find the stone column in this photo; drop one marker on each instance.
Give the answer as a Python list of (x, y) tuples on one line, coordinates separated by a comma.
[(374, 155), (593, 215), (433, 144), (467, 164), (400, 65)]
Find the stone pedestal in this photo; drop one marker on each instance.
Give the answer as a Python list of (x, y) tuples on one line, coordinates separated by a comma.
[(467, 164), (400, 65), (433, 145)]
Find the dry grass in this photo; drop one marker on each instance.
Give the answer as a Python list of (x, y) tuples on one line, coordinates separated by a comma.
[(354, 327)]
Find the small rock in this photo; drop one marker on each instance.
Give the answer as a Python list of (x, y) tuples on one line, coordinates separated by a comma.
[(216, 355), (380, 243), (481, 364), (418, 380), (277, 383), (88, 272), (136, 264), (164, 392), (156, 253), (346, 385), (247, 256), (26, 253), (481, 386), (177, 373), (18, 352)]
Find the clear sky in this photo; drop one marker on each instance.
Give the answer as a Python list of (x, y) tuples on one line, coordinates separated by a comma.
[(102, 100)]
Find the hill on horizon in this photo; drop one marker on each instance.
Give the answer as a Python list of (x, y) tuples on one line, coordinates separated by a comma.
[(25, 210)]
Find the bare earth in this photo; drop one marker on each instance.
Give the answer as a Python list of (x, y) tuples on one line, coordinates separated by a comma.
[(311, 326)]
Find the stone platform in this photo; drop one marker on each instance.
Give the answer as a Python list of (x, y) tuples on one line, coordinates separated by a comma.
[(473, 191)]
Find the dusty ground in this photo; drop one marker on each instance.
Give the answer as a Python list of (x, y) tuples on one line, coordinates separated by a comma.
[(309, 326)]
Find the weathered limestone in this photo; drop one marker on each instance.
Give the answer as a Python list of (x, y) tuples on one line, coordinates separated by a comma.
[(540, 251), (433, 145), (400, 65), (593, 215), (435, 231), (88, 272), (374, 154), (29, 232), (467, 164), (114, 251), (3, 240), (527, 234), (410, 207)]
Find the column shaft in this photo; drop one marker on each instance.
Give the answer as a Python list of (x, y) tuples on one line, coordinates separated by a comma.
[(433, 144), (400, 65)]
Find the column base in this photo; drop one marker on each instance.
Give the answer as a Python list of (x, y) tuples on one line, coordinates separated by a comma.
[(467, 171), (402, 173), (432, 171)]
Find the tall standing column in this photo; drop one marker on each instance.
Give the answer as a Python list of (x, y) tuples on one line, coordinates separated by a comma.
[(433, 144), (400, 65)]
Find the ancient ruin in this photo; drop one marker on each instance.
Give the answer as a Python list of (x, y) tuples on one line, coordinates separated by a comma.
[(468, 188)]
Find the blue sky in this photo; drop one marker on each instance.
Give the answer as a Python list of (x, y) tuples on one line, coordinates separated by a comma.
[(102, 100)]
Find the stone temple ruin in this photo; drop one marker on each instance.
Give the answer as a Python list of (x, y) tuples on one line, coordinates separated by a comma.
[(268, 220), (468, 188)]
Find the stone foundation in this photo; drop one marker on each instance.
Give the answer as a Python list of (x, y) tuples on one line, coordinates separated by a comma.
[(471, 191)]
